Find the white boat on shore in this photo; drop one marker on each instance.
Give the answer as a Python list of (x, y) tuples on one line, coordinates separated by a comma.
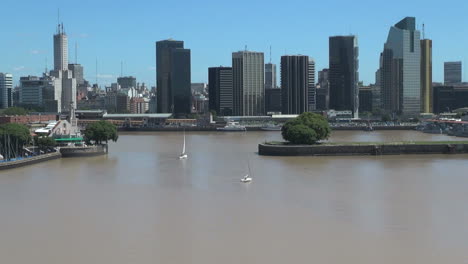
[(232, 126)]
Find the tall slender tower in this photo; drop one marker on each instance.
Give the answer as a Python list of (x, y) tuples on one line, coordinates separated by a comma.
[(60, 49), (426, 76)]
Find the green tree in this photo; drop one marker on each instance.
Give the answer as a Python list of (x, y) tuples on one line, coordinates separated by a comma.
[(386, 118), (13, 138), (101, 131), (15, 111), (44, 143), (308, 128)]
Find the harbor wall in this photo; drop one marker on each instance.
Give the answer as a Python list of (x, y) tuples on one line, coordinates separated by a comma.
[(344, 150), (29, 161), (84, 151)]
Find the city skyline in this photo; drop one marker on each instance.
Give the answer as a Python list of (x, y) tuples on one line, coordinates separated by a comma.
[(99, 37)]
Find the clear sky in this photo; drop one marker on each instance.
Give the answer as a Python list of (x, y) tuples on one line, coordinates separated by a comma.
[(115, 31)]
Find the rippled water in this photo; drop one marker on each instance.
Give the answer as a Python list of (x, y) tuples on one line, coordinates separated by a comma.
[(140, 204)]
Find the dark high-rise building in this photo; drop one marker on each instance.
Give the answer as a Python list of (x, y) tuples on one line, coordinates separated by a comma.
[(270, 76), (343, 74), (447, 98), (365, 99), (294, 84), (426, 76), (452, 72), (220, 90), (127, 82), (173, 77), (401, 69), (322, 92), (273, 100)]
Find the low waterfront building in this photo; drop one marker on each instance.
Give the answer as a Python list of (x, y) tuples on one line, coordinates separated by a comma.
[(28, 119), (137, 120)]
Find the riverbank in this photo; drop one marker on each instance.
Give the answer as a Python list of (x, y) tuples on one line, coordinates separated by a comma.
[(252, 128), (362, 148), (29, 161)]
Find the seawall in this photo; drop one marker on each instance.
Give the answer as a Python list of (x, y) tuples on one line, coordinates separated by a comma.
[(83, 151), (29, 161), (365, 149)]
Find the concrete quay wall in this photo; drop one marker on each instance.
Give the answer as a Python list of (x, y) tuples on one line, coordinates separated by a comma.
[(70, 152), (29, 161), (344, 150)]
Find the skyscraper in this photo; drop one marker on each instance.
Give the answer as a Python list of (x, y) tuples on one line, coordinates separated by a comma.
[(248, 73), (60, 49), (312, 93), (452, 72), (294, 84), (270, 76), (343, 73), (77, 73), (220, 90), (173, 77), (67, 83), (6, 90), (322, 94), (41, 92), (401, 69), (426, 76), (127, 82)]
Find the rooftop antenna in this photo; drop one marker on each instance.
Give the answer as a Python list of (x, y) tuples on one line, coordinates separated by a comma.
[(121, 68), (58, 20), (245, 47), (96, 72), (46, 64), (270, 54), (76, 52), (423, 31)]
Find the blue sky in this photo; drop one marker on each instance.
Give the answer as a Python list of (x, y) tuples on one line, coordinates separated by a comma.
[(115, 31)]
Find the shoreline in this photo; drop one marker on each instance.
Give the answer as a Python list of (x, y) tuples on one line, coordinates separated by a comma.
[(259, 128), (29, 161), (364, 149)]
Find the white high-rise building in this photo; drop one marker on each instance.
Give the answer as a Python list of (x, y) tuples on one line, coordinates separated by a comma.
[(61, 71), (270, 76), (6, 90), (248, 74), (60, 49)]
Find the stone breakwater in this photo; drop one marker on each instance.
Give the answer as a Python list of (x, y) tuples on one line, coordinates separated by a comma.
[(363, 149)]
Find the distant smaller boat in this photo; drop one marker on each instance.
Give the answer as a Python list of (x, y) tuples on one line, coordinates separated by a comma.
[(232, 126), (183, 155), (271, 127), (247, 178)]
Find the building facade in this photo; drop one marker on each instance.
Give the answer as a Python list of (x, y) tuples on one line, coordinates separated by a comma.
[(273, 101), (248, 73), (449, 97), (173, 77), (270, 76), (322, 91), (220, 90), (365, 99), (401, 69), (77, 73), (41, 93), (452, 72), (311, 93), (343, 74), (294, 84), (6, 90), (426, 76), (127, 82), (67, 83)]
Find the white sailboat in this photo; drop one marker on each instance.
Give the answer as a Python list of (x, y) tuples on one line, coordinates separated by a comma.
[(183, 155), (247, 178)]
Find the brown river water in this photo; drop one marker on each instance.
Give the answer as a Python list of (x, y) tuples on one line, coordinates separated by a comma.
[(141, 204)]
